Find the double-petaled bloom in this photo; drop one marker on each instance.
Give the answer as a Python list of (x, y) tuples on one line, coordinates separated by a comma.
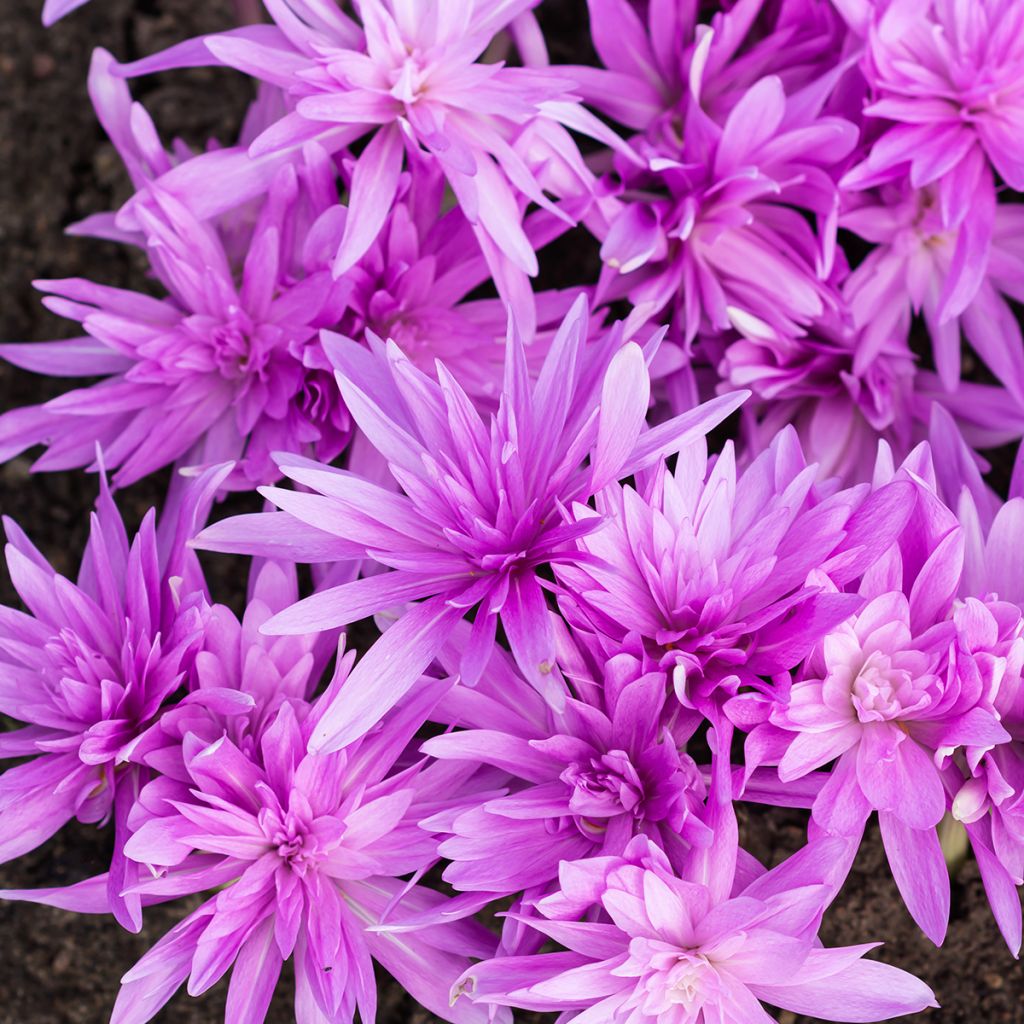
[(307, 850), (711, 572), (88, 667), (947, 82), (580, 781), (227, 366), (483, 508), (715, 224), (909, 683), (409, 79), (657, 947)]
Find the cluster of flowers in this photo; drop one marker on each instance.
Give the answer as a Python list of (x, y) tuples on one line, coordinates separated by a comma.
[(594, 636)]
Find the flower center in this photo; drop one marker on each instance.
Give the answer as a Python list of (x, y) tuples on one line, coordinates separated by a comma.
[(232, 347), (672, 984), (881, 692), (291, 837), (603, 787)]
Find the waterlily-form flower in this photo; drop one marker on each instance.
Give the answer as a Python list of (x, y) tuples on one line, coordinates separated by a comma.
[(89, 666), (410, 77), (681, 950), (890, 696), (225, 368), (714, 224), (313, 846), (583, 780), (481, 512), (915, 269), (711, 570), (948, 78)]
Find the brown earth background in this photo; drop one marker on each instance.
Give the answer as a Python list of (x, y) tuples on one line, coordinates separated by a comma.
[(56, 166)]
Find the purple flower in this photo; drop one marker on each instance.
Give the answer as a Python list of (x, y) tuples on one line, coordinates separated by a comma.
[(89, 666), (482, 508), (411, 81), (712, 571), (714, 224), (840, 399), (224, 368), (948, 77), (582, 780), (917, 268), (681, 950), (309, 848), (891, 696)]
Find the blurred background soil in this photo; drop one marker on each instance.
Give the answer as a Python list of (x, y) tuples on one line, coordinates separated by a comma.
[(56, 166)]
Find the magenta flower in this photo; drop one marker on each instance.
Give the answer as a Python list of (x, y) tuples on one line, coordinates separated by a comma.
[(711, 570), (949, 78), (481, 508), (312, 847), (714, 225), (840, 399), (88, 667), (583, 780), (681, 950), (411, 81), (890, 696), (916, 268), (217, 371)]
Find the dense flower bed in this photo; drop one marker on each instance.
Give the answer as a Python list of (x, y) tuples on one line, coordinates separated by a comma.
[(711, 528)]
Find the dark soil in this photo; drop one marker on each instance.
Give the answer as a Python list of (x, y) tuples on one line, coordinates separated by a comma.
[(56, 167)]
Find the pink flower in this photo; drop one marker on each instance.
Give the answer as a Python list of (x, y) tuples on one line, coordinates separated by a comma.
[(656, 947)]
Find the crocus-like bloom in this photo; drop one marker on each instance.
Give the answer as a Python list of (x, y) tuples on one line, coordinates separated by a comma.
[(89, 667), (890, 696), (408, 76), (839, 399), (916, 268), (713, 225), (710, 569), (951, 78), (312, 845), (671, 950), (216, 371), (481, 510), (583, 780)]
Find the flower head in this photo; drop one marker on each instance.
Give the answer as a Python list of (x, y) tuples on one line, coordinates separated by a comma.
[(676, 950), (948, 77), (312, 846), (89, 667), (227, 367), (582, 780), (412, 79), (482, 508), (711, 571)]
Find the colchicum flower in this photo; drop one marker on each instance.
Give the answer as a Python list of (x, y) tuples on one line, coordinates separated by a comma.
[(306, 850), (582, 780), (949, 79), (714, 224), (481, 509), (671, 950), (711, 571), (217, 371), (410, 78), (88, 667), (891, 696)]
